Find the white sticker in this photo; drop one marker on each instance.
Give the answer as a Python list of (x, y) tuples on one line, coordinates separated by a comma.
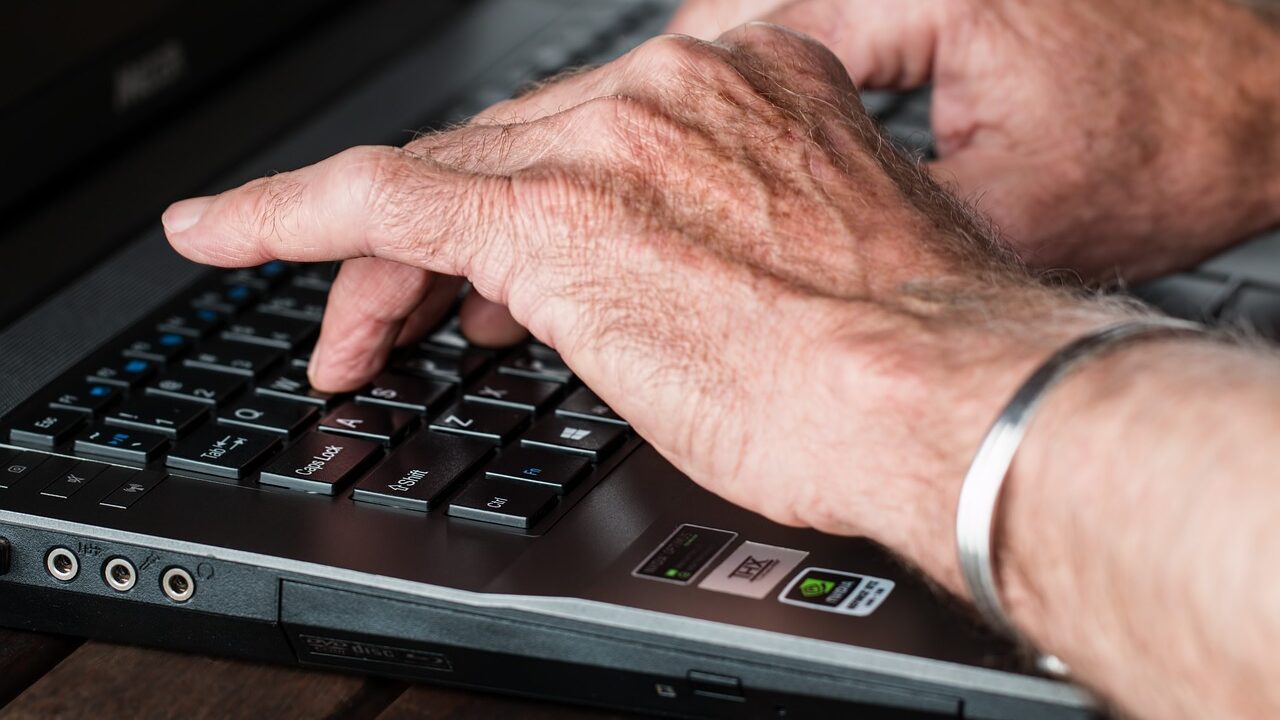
[(836, 591), (753, 570)]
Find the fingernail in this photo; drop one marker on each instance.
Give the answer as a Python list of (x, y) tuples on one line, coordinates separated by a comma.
[(184, 214)]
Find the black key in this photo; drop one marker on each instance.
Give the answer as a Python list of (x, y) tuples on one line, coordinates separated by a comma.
[(513, 391), (537, 362), (51, 469), (406, 392), (302, 358), (502, 502), (263, 277), (202, 386), (133, 484), (73, 481), (125, 373), (320, 464), (488, 422), (232, 357), (154, 414), (161, 347), (270, 330), (192, 322), (259, 413), (592, 440), (135, 446), (583, 404), (292, 385), (443, 363), (296, 302), (420, 472), (18, 467), (450, 335), (379, 424), (45, 428), (87, 398), (317, 276), (225, 452), (225, 298), (554, 470)]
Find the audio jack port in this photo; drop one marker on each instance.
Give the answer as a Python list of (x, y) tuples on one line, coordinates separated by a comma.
[(119, 574), (178, 585), (62, 564)]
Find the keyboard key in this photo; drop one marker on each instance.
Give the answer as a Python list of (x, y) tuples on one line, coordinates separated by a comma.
[(585, 405), (1256, 308), (296, 302), (202, 386), (161, 347), (170, 417), (302, 358), (514, 391), (420, 472), (537, 362), (19, 467), (443, 363), (405, 392), (263, 277), (73, 481), (320, 464), (232, 357), (270, 330), (316, 276), (502, 502), (225, 452), (126, 373), (191, 322), (488, 422), (133, 484), (45, 427), (293, 385), (379, 424), (449, 335), (554, 470), (227, 299), (275, 416), (135, 446), (87, 398), (590, 439)]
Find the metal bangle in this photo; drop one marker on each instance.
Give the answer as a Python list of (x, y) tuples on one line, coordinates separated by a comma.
[(980, 493)]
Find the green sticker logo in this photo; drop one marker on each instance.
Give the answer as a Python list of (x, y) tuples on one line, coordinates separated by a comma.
[(815, 588)]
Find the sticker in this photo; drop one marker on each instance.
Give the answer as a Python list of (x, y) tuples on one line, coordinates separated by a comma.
[(835, 591), (684, 554), (753, 570)]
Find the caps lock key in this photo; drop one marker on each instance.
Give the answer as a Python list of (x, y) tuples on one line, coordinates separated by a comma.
[(320, 463)]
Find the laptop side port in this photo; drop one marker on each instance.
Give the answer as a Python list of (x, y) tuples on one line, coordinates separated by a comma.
[(119, 574), (178, 585), (62, 564)]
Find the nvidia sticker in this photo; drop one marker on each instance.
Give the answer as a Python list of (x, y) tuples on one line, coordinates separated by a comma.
[(835, 591)]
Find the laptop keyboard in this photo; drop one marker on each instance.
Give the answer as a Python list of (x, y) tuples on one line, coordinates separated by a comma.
[(214, 387)]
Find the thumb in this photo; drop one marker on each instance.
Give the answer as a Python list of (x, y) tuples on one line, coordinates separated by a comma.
[(884, 44)]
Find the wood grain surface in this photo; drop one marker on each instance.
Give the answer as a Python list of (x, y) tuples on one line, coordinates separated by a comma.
[(49, 677)]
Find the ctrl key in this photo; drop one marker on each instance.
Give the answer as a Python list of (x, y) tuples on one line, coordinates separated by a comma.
[(502, 502)]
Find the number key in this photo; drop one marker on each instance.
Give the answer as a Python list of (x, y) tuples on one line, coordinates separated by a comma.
[(210, 388)]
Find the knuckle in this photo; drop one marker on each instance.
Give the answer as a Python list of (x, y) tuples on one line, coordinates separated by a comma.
[(675, 56), (376, 182), (271, 201)]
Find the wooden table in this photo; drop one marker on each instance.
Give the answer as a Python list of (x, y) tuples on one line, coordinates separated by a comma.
[(51, 677)]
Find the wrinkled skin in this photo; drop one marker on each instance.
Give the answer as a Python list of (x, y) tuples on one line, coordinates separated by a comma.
[(719, 243), (1118, 138)]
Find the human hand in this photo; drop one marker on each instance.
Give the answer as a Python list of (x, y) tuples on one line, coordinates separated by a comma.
[(1112, 137), (719, 243)]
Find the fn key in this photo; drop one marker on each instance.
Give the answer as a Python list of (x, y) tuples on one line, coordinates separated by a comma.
[(502, 502)]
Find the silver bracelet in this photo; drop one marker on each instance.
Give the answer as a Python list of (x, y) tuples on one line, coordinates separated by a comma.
[(980, 493)]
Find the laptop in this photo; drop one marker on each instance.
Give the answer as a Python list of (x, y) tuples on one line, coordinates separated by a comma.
[(472, 518)]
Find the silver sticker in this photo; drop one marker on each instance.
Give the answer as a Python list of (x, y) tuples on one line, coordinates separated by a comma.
[(753, 570)]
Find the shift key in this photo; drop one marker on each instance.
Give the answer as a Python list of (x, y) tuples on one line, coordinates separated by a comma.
[(421, 471), (319, 463)]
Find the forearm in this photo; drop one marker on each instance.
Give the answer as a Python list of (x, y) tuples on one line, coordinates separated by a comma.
[(1139, 539)]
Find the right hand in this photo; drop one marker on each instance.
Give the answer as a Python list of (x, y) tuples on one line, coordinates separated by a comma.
[(1114, 137)]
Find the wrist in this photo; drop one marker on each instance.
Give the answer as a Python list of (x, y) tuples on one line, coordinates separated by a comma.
[(933, 403)]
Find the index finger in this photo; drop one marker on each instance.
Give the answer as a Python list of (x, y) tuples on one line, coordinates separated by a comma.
[(368, 201)]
